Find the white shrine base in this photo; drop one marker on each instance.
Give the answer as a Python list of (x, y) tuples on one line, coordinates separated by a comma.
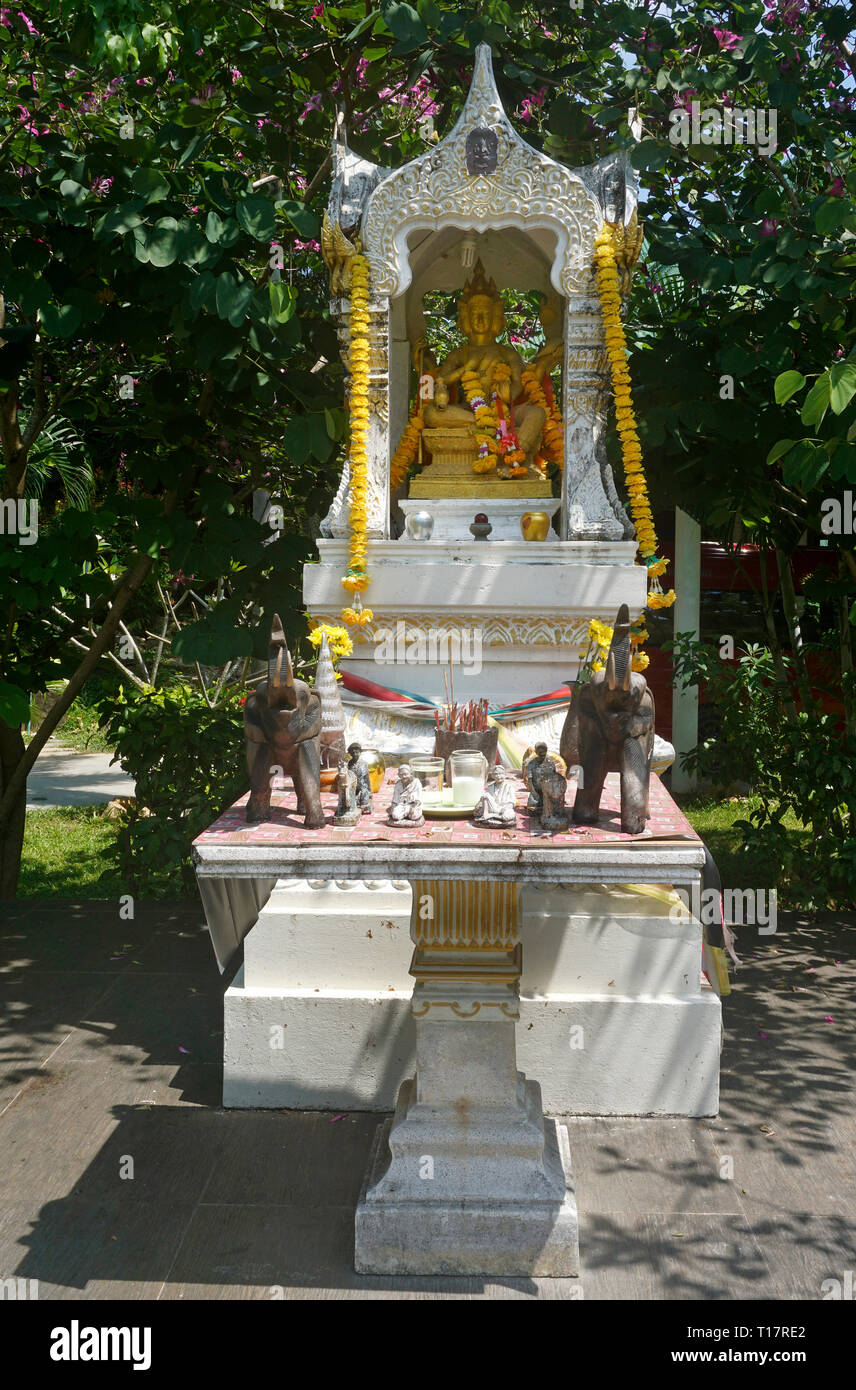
[(613, 1018)]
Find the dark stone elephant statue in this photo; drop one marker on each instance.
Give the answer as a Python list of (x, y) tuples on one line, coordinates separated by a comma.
[(610, 728), (282, 727)]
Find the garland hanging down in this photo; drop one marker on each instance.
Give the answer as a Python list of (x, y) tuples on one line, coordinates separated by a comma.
[(356, 580), (552, 436), (606, 271)]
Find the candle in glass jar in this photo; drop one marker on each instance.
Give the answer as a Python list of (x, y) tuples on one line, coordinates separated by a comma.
[(466, 790)]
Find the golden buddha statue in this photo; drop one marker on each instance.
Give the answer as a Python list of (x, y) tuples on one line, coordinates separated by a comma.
[(487, 373)]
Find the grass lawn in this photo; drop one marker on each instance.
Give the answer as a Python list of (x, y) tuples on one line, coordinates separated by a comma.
[(66, 855), (714, 822), (66, 852)]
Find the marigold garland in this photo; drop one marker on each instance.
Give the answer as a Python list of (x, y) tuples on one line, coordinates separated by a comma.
[(487, 424), (606, 271), (408, 447), (356, 580), (552, 445)]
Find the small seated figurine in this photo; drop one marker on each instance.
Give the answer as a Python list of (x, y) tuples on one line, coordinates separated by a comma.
[(347, 811), (360, 769), (496, 807), (553, 786), (406, 805), (534, 767)]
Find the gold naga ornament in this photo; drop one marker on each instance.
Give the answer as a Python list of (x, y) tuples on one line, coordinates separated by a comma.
[(338, 253)]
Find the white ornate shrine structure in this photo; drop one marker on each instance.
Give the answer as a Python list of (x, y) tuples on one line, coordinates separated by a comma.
[(592, 940), (532, 225)]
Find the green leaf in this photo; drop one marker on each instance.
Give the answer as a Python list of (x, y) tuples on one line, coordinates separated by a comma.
[(72, 192), (150, 184), (831, 214), (304, 222), (256, 216), (14, 705), (842, 385), (120, 220), (804, 465), (649, 154), (786, 385), (364, 24), (283, 301), (843, 465), (162, 242), (816, 402), (61, 320), (405, 25), (295, 437), (779, 448), (233, 297)]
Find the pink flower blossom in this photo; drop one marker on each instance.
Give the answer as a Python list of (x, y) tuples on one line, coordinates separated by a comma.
[(305, 245), (313, 104), (836, 188), (317, 11), (726, 39), (6, 21), (770, 226)]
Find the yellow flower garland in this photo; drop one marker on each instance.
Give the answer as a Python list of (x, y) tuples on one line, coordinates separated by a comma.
[(552, 436), (408, 447), (357, 579), (486, 423), (606, 271)]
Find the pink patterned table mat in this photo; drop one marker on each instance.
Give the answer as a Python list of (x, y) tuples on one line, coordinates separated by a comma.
[(667, 822)]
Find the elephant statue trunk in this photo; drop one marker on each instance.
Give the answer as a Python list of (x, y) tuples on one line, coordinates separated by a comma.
[(282, 729), (610, 728)]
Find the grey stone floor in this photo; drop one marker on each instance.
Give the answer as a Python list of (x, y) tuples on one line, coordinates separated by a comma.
[(109, 1051)]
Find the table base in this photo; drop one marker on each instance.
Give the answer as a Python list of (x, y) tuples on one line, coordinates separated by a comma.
[(490, 1193)]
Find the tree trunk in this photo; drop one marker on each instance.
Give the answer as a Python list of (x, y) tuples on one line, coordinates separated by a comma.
[(789, 603), (13, 792), (845, 646), (775, 647), (12, 835)]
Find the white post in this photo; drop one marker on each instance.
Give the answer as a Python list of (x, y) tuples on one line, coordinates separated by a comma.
[(686, 619)]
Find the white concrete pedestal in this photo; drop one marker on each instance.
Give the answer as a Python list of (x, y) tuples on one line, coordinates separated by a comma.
[(471, 1182), (444, 1236)]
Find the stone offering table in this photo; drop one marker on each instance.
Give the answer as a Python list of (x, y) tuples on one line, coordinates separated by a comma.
[(467, 1178)]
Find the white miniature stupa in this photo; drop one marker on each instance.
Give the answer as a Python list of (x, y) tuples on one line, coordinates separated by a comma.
[(332, 711)]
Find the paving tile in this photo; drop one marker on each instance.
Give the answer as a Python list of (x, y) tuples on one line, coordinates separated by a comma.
[(71, 1123), (291, 1158), (159, 1019), (637, 1166), (671, 1258), (804, 1251), (80, 1249)]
